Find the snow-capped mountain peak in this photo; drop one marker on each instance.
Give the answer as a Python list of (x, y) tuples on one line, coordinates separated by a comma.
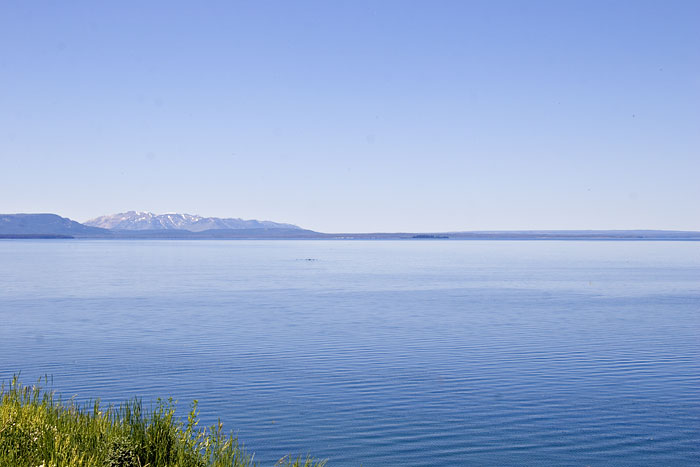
[(139, 220)]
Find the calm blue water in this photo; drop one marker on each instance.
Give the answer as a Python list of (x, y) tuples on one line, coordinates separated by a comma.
[(378, 353)]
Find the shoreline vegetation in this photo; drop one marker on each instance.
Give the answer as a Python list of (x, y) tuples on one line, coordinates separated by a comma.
[(37, 429)]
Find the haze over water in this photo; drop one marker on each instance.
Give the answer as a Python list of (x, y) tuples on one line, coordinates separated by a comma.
[(377, 353)]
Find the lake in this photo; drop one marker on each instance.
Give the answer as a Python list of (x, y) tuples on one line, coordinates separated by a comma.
[(426, 352)]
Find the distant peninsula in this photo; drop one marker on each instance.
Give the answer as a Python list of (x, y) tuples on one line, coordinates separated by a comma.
[(147, 225)]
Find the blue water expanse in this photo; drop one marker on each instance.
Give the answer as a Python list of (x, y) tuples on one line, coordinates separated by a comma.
[(377, 352)]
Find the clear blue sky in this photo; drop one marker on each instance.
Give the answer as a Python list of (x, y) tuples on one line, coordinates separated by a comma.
[(355, 116)]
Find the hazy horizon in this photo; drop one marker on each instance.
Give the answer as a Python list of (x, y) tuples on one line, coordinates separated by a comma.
[(356, 117), (351, 232)]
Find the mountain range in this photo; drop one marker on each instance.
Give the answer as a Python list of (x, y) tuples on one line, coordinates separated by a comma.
[(137, 220), (135, 224), (145, 225)]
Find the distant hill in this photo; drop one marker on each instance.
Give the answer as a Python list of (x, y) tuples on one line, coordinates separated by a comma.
[(135, 225), (37, 225), (135, 220)]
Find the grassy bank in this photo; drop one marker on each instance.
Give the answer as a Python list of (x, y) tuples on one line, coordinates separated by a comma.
[(37, 428)]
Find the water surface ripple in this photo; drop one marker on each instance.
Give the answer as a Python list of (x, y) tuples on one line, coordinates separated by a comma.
[(378, 353)]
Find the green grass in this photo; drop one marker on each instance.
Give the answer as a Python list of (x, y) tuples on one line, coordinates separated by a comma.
[(39, 429)]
